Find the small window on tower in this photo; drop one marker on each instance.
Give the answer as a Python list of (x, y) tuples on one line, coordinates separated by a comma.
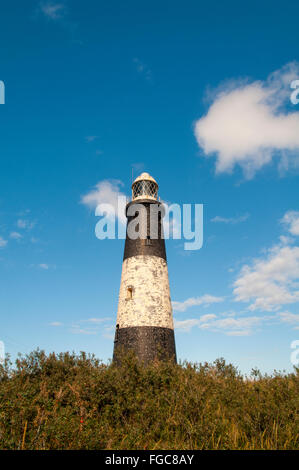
[(129, 293), (148, 240)]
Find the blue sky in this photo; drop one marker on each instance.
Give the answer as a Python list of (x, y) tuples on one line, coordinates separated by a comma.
[(197, 94)]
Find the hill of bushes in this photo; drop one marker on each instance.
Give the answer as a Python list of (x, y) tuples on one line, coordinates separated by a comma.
[(70, 401)]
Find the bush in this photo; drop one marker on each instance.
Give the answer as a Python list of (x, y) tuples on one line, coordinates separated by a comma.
[(69, 401)]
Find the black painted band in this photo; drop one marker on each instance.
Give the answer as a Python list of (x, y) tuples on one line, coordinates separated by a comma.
[(148, 343), (147, 245)]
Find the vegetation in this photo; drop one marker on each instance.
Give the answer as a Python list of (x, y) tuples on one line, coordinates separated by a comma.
[(70, 401)]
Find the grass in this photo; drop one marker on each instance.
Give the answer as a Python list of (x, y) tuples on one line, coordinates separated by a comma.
[(70, 401)]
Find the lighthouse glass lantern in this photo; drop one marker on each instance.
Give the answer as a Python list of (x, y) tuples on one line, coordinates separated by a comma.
[(144, 318), (144, 187)]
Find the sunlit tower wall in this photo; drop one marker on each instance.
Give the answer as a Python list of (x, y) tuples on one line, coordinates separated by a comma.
[(144, 316)]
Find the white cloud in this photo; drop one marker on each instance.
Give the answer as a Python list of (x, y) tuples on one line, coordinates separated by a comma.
[(43, 266), (186, 325), (92, 326), (291, 220), (231, 326), (237, 324), (109, 332), (290, 318), (270, 281), (57, 12), (52, 11), (247, 126), (3, 242), (25, 224), (286, 240), (21, 223), (207, 317), (230, 220), (98, 320), (91, 138), (239, 333), (15, 235), (83, 331), (106, 192), (24, 213), (143, 69), (193, 301), (266, 284)]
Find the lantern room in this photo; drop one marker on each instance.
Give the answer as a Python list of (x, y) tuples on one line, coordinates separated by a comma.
[(145, 187)]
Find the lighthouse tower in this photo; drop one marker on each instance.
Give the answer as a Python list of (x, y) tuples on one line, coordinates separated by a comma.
[(144, 317)]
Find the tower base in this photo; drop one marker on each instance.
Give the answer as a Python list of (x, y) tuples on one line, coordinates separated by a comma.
[(147, 342)]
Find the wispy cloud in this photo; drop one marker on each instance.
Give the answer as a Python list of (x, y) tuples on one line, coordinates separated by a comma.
[(109, 332), (91, 326), (3, 242), (290, 318), (291, 221), (247, 125), (230, 220), (271, 280), (143, 69), (186, 325), (15, 235), (266, 284), (91, 138), (57, 12), (24, 213), (25, 224), (97, 320), (43, 266), (53, 10), (76, 330), (195, 301), (232, 324), (229, 325)]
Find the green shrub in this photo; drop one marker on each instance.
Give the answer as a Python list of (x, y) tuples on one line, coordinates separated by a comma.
[(70, 401)]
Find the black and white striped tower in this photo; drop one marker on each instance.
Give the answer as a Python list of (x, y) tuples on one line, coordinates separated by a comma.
[(144, 317)]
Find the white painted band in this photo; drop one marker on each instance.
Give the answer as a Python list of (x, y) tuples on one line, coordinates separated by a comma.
[(144, 297)]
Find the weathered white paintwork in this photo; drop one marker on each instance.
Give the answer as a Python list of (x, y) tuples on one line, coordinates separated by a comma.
[(144, 297)]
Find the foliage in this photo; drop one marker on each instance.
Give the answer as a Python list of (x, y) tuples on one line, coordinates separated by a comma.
[(70, 401)]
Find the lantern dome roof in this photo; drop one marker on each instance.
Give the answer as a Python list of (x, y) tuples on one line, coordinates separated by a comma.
[(145, 177)]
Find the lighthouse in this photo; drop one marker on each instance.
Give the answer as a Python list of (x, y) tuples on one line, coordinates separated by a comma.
[(144, 317)]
